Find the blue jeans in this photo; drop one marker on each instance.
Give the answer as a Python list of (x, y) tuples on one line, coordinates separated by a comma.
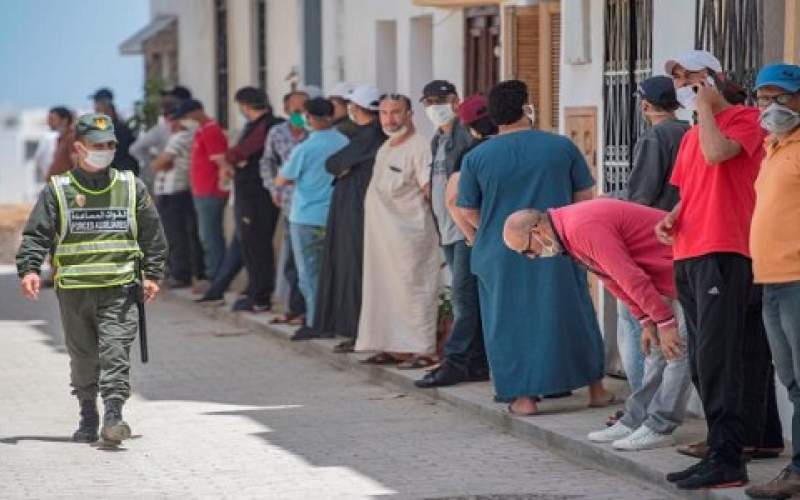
[(307, 246), (629, 336), (781, 311), (464, 348), (210, 211)]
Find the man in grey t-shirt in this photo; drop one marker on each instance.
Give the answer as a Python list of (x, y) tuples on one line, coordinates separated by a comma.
[(464, 352)]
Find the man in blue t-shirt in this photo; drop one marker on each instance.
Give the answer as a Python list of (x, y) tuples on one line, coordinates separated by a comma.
[(313, 186)]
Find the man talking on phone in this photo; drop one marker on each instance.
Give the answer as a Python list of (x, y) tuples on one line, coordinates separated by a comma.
[(715, 170)]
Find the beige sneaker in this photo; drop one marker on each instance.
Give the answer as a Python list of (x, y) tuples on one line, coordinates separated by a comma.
[(784, 486)]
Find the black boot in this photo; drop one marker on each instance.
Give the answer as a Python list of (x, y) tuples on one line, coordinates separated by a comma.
[(114, 428), (90, 421)]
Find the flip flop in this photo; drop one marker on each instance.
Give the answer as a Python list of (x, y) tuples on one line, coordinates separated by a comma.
[(515, 414), (416, 362), (379, 359), (283, 319), (610, 401)]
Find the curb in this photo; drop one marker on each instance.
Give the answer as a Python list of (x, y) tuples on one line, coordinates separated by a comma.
[(556, 432)]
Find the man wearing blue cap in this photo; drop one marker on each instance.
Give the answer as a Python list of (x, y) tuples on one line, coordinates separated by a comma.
[(775, 246)]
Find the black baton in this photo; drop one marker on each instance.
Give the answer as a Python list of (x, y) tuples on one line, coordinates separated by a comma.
[(142, 316)]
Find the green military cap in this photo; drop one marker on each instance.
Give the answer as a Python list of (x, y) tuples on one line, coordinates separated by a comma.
[(95, 128)]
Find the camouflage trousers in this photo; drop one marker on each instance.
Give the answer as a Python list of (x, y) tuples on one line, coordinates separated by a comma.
[(100, 324)]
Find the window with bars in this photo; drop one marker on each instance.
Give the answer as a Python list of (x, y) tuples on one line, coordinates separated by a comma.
[(221, 54), (733, 30), (628, 55), (261, 43)]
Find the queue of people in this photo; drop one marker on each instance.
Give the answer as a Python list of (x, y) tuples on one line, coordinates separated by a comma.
[(701, 249)]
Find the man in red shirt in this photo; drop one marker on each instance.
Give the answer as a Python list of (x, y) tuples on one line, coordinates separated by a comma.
[(207, 189), (715, 170), (614, 239)]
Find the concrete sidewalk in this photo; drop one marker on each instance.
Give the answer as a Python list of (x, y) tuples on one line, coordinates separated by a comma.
[(561, 426)]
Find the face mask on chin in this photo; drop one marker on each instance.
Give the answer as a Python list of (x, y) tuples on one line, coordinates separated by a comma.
[(550, 249), (778, 119), (440, 114), (397, 133)]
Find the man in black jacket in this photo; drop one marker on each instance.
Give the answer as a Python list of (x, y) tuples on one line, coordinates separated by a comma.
[(256, 214), (338, 303), (465, 355), (104, 103)]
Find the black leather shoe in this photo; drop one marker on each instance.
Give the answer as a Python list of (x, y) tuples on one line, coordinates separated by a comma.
[(716, 474), (304, 333), (442, 376)]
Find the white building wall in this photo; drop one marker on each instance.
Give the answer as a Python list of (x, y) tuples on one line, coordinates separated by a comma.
[(284, 36), (350, 32), (196, 54)]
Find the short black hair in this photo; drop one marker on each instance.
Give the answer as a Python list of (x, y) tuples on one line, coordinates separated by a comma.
[(506, 100), (253, 97), (484, 126), (666, 107), (319, 107), (62, 112)]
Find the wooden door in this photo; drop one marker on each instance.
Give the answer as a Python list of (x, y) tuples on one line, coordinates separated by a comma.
[(534, 56), (481, 46)]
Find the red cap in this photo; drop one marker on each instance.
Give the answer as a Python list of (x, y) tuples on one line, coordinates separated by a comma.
[(473, 109)]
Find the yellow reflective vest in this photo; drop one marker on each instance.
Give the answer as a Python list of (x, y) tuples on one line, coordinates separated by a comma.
[(97, 245)]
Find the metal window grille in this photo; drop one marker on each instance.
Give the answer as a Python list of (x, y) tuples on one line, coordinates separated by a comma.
[(627, 61), (221, 50), (732, 30)]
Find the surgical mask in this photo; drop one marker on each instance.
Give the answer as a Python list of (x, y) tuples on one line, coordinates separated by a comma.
[(98, 160), (687, 95), (548, 249), (397, 133), (530, 112), (440, 114), (297, 120), (778, 119), (190, 125), (351, 115)]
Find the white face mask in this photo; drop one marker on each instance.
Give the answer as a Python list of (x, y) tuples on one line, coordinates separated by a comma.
[(780, 120), (188, 124), (687, 95), (397, 133), (440, 114), (550, 249), (98, 160), (530, 112)]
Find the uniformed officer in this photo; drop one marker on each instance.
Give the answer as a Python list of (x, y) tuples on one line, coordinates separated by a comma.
[(106, 236)]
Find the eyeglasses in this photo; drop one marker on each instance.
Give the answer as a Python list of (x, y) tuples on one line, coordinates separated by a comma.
[(528, 251), (783, 99)]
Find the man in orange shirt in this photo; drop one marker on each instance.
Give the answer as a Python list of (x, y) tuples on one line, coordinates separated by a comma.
[(775, 246)]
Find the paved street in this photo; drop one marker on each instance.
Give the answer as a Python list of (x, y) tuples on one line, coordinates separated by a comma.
[(221, 413)]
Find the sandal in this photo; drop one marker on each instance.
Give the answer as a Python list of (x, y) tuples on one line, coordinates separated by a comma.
[(612, 399), (380, 359), (284, 319), (345, 346), (416, 362), (515, 414)]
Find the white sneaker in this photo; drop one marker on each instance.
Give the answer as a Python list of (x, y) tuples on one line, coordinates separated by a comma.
[(644, 438), (613, 433)]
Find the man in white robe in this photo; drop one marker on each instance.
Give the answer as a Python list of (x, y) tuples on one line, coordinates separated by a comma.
[(401, 253)]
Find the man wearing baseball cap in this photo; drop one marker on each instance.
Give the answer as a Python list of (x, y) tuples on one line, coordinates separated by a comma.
[(648, 184), (338, 303), (341, 120), (775, 246), (715, 169), (313, 185), (106, 235)]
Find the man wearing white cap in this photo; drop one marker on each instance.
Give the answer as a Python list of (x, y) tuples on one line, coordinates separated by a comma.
[(341, 119), (339, 299), (715, 169)]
